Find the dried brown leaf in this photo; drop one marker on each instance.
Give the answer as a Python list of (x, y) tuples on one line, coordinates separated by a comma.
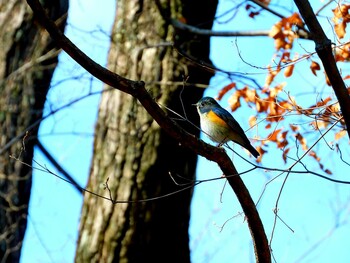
[(226, 89), (314, 67), (289, 71)]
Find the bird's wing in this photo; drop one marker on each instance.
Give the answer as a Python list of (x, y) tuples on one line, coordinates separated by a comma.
[(240, 136), (228, 118)]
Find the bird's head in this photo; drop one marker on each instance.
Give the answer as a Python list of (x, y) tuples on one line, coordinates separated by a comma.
[(205, 104)]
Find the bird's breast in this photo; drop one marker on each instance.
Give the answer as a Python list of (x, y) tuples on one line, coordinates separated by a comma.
[(214, 118), (215, 127)]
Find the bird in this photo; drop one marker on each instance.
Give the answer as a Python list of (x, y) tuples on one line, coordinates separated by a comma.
[(220, 125)]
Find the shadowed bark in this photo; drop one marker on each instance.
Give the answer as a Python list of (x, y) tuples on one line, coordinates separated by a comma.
[(27, 61)]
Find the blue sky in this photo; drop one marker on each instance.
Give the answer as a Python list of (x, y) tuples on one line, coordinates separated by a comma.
[(316, 210)]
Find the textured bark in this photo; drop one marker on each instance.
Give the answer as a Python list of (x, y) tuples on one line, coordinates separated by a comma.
[(27, 61), (131, 151)]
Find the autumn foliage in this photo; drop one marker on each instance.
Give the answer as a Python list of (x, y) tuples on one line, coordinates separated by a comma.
[(273, 108)]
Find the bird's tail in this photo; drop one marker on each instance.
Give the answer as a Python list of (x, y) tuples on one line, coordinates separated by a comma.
[(252, 150)]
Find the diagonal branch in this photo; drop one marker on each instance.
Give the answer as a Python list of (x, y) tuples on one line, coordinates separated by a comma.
[(137, 90), (59, 167), (325, 52)]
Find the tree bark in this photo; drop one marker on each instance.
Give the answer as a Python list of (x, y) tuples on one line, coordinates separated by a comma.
[(27, 60), (131, 153)]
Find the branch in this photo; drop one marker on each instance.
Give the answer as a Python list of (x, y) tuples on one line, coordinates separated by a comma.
[(137, 90), (265, 6), (59, 167), (324, 51), (302, 32), (207, 32), (38, 121)]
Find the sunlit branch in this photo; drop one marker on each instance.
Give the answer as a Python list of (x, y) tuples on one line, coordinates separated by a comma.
[(207, 32)]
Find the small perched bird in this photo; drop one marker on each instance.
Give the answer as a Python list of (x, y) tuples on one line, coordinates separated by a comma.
[(220, 126)]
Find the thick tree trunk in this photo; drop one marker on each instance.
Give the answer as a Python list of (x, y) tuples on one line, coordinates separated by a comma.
[(131, 152), (27, 61)]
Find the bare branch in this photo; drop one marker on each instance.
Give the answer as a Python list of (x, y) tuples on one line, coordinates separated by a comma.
[(136, 89), (59, 167), (264, 6), (206, 32)]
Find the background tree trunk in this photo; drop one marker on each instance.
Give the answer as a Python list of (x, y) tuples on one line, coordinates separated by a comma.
[(131, 152), (27, 60)]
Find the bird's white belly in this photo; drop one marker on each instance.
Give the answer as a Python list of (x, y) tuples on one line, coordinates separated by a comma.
[(216, 133)]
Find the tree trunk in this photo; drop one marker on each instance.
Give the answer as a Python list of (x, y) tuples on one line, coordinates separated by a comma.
[(27, 61), (131, 153)]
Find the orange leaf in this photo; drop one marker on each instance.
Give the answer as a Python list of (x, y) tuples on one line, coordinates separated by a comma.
[(302, 141), (277, 89), (266, 2), (323, 101), (327, 171), (327, 80), (234, 101), (340, 134), (294, 127), (314, 155), (283, 32), (262, 152), (249, 94), (285, 105), (276, 31), (282, 144), (273, 136), (289, 71), (295, 19), (261, 105), (314, 67), (284, 155), (340, 19), (252, 121), (284, 134), (225, 89), (340, 30), (272, 74), (343, 53)]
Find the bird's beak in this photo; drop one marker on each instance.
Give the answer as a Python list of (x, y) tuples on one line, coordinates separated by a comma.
[(196, 104)]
